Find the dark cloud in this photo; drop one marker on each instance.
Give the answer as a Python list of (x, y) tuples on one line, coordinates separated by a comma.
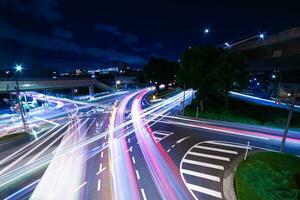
[(127, 38), (130, 39), (53, 43), (37, 40), (157, 45), (113, 30), (66, 34), (114, 55), (46, 9)]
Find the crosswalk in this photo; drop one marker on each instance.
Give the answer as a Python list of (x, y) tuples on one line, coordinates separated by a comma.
[(203, 166), (159, 135)]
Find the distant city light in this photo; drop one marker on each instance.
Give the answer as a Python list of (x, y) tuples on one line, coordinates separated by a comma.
[(227, 44), (250, 81), (273, 76), (255, 79), (161, 86), (257, 83), (18, 67), (118, 82)]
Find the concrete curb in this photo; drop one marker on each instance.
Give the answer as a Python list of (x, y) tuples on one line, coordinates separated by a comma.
[(228, 178)]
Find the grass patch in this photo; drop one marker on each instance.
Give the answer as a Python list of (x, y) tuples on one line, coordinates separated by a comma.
[(243, 112), (268, 176), (13, 136)]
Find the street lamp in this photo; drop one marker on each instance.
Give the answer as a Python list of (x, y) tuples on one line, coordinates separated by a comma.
[(19, 69), (261, 36), (118, 82)]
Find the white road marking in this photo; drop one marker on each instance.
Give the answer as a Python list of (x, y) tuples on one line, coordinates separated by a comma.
[(99, 185), (228, 145), (216, 149), (162, 132), (102, 154), (182, 139), (205, 190), (80, 186), (143, 194), (173, 145), (208, 156), (46, 120), (169, 150), (209, 165), (137, 174), (133, 160), (201, 175)]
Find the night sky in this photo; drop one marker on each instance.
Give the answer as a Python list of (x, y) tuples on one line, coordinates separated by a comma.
[(86, 34)]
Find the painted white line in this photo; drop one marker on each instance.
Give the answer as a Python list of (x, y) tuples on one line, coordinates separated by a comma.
[(169, 150), (128, 140), (161, 133), (182, 139), (216, 149), (100, 169), (203, 164), (143, 194), (204, 190), (133, 160), (80, 186), (173, 145), (201, 175), (137, 174), (102, 154), (228, 145), (99, 185), (46, 120), (208, 156)]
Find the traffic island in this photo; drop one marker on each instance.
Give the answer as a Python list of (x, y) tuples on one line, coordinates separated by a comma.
[(268, 175)]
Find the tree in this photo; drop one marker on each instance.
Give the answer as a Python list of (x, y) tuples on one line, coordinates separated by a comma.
[(160, 70), (228, 72), (196, 65), (210, 71)]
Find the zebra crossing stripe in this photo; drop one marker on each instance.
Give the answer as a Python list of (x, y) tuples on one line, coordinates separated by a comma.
[(216, 149), (204, 190), (201, 175), (208, 156), (228, 145), (209, 165)]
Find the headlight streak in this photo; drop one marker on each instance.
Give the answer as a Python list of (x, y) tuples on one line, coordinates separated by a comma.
[(164, 172), (123, 178), (22, 171), (62, 182)]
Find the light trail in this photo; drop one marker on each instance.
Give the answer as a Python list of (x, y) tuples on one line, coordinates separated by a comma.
[(163, 171)]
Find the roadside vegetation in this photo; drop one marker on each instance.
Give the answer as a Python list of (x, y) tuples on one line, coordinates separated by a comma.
[(268, 176), (243, 112), (13, 136)]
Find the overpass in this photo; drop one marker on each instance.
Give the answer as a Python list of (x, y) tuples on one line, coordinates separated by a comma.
[(279, 51), (35, 84)]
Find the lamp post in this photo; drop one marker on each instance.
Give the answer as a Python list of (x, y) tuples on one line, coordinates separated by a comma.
[(19, 69), (118, 82), (293, 101)]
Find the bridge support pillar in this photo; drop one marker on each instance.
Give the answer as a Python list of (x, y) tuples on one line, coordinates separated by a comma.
[(91, 91)]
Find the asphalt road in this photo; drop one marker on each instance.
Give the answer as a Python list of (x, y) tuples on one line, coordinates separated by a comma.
[(135, 151)]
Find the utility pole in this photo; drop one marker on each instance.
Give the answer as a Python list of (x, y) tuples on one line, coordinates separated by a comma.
[(183, 102), (293, 101)]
